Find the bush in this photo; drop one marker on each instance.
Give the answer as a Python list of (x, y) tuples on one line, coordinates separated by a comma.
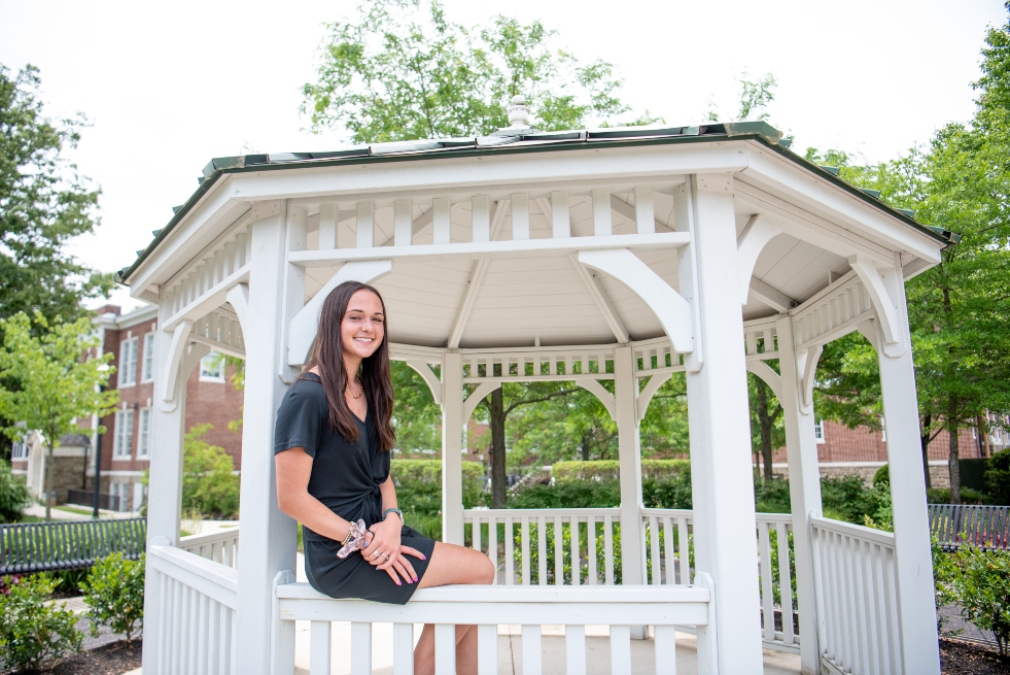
[(982, 584), (566, 495), (847, 498), (33, 633), (882, 479), (409, 473), (14, 494), (209, 484), (968, 496), (997, 477), (772, 496), (114, 594), (944, 573), (607, 470)]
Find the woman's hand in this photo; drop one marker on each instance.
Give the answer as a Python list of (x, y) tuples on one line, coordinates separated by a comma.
[(383, 550)]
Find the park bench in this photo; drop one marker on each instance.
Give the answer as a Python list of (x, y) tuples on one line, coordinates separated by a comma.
[(27, 548), (987, 527)]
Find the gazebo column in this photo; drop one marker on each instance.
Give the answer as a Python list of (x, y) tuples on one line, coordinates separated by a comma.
[(914, 565), (452, 448), (804, 491), (632, 537), (721, 478), (267, 535)]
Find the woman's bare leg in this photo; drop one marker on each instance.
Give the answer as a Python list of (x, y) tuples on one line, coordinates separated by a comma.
[(451, 564)]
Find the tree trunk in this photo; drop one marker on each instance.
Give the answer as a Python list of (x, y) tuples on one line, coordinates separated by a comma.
[(585, 447), (48, 482), (765, 421), (924, 444), (955, 467), (497, 415)]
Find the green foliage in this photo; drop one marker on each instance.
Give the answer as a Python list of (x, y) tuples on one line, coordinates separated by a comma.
[(32, 633), (997, 477), (669, 493), (968, 496), (606, 470), (409, 473), (14, 494), (882, 478), (56, 386), (847, 498), (44, 203), (982, 584), (566, 553), (114, 594), (567, 495), (209, 486), (944, 573), (416, 416), (404, 71), (772, 496)]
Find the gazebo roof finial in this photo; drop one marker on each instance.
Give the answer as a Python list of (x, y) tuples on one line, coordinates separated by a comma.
[(519, 114)]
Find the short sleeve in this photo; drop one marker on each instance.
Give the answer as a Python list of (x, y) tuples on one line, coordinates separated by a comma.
[(301, 418)]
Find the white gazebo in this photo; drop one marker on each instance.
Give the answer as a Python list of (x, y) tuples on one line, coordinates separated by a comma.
[(620, 254)]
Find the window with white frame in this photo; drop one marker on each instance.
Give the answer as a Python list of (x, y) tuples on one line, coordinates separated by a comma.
[(883, 429), (819, 431), (19, 451), (128, 362), (144, 439), (212, 368), (147, 373), (124, 435)]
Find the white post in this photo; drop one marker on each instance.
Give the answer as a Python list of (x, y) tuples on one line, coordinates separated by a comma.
[(804, 492), (164, 494), (452, 448), (721, 479), (267, 535), (914, 568), (632, 537)]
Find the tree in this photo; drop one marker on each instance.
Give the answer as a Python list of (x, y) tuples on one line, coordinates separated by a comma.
[(60, 381), (209, 484), (416, 416), (44, 203), (404, 71)]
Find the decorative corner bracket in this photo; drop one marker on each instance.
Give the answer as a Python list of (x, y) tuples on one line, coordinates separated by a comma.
[(170, 375), (806, 366), (238, 297), (599, 391), (756, 234), (648, 392), (430, 378), (884, 293), (478, 395)]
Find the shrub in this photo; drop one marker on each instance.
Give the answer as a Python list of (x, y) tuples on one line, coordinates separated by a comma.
[(944, 573), (408, 473), (882, 479), (114, 594), (772, 496), (968, 496), (14, 494), (847, 498), (982, 583), (607, 470), (997, 477), (672, 493), (209, 484), (33, 633)]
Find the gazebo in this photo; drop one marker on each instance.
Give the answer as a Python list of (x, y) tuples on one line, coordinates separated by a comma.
[(621, 255)]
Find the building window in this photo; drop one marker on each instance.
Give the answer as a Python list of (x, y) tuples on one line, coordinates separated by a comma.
[(19, 451), (883, 430), (128, 363), (212, 368), (144, 441), (819, 431), (124, 435), (148, 372)]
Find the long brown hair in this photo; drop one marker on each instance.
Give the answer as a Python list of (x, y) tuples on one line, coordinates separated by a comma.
[(328, 357)]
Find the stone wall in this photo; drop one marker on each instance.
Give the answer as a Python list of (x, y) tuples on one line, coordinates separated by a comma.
[(938, 473), (68, 473)]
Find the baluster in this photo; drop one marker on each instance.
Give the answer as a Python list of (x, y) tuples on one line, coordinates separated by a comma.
[(559, 553), (553, 365), (657, 572), (668, 549), (403, 649), (492, 544), (683, 551), (247, 251), (481, 217), (601, 213), (591, 549), (645, 220), (575, 650), (585, 364), (487, 650), (560, 215), (490, 368), (509, 553), (201, 636), (194, 609), (542, 550), (752, 347), (568, 365), (620, 649), (240, 257), (213, 646), (520, 216), (219, 274), (785, 585), (441, 227), (361, 648), (403, 226), (365, 225), (870, 600), (608, 548), (767, 596), (665, 638), (229, 258), (165, 616), (576, 564), (525, 534), (445, 649), (532, 650), (770, 341)]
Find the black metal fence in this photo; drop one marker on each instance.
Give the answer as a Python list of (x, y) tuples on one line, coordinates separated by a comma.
[(86, 498), (955, 525), (26, 548)]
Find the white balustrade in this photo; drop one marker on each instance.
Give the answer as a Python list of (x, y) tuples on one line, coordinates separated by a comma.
[(195, 624), (857, 599), (221, 547), (487, 607)]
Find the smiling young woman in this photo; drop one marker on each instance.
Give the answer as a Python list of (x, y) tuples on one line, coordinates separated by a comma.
[(331, 448)]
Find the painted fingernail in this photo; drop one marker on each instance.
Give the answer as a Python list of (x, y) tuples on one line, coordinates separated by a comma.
[(415, 580), (398, 583), (423, 557)]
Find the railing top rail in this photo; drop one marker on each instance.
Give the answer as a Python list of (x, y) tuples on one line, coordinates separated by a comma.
[(74, 524), (214, 572), (688, 513), (210, 538), (857, 531), (464, 594), (775, 518), (966, 507), (469, 514)]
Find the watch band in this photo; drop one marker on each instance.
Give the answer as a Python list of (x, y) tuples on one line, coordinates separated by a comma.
[(393, 510)]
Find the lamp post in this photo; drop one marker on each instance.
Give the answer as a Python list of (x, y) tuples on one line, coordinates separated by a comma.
[(98, 467)]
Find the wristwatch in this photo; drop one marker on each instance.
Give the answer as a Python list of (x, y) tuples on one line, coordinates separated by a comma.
[(393, 510)]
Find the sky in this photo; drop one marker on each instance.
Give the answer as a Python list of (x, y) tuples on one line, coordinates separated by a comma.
[(168, 86)]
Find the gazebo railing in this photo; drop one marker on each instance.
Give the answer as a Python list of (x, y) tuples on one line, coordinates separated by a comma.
[(532, 608), (221, 547), (857, 598), (194, 626)]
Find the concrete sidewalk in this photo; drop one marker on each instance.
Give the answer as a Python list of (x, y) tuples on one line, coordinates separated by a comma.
[(58, 513)]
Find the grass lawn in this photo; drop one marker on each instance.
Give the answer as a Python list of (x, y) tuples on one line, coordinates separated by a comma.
[(74, 509)]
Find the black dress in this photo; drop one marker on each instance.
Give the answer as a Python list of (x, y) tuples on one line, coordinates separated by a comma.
[(345, 477)]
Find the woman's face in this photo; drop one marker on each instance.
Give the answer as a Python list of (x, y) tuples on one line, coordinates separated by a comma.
[(363, 326)]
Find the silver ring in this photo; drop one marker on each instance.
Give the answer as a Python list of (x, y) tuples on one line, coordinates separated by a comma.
[(377, 554), (386, 556)]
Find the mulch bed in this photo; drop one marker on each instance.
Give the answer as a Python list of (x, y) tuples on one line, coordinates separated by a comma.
[(112, 659), (958, 657)]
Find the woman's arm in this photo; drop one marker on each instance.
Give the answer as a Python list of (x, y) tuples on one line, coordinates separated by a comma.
[(294, 466), (388, 491)]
